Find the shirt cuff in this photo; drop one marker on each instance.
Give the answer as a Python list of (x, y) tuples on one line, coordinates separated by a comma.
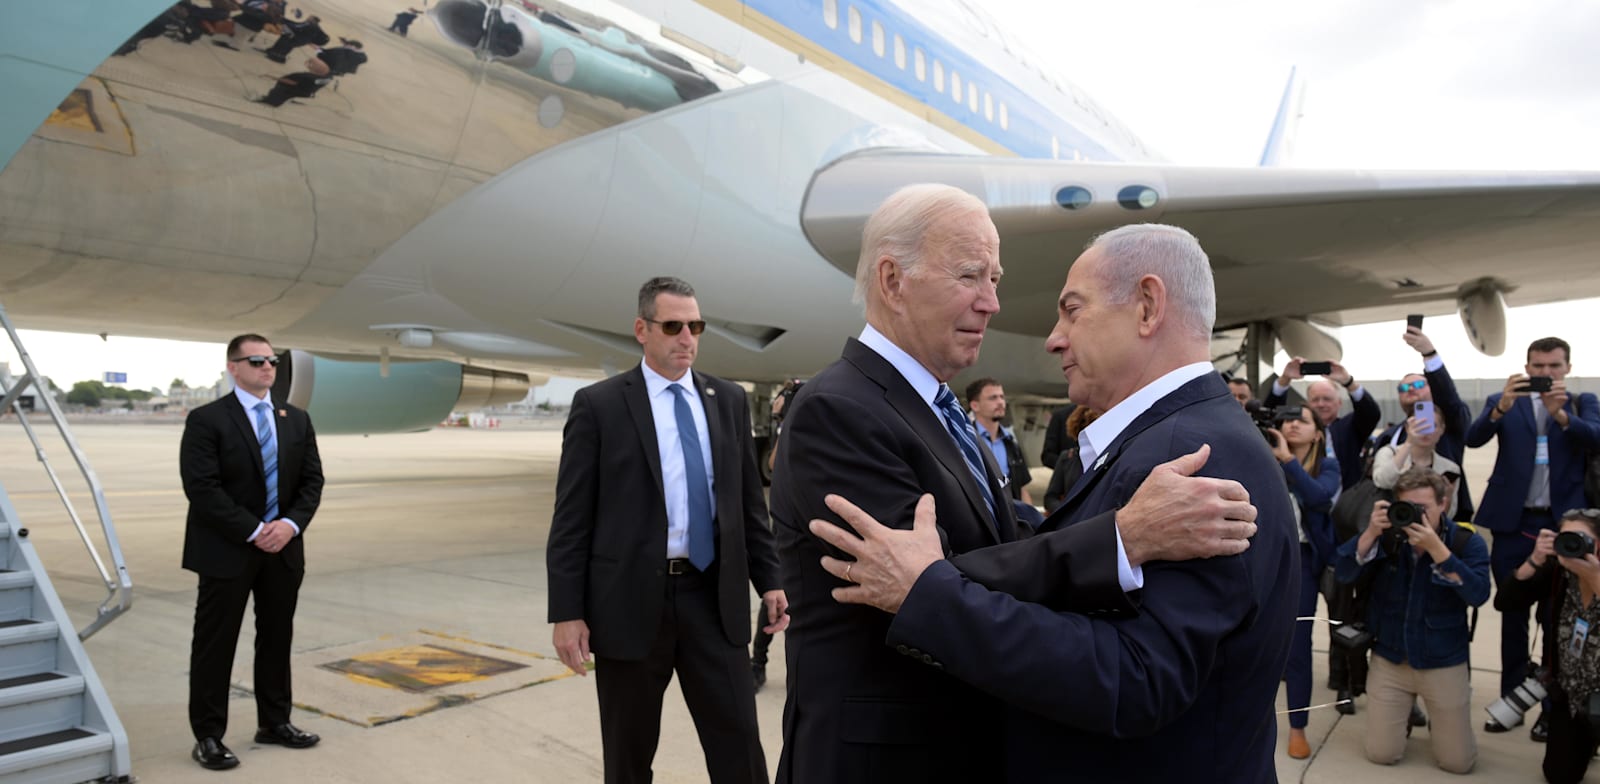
[(1433, 364), (1279, 389), (1358, 393), (1371, 555), (256, 532), (1440, 575), (1130, 577), (292, 525)]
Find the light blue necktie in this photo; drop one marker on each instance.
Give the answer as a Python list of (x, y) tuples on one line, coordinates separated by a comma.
[(961, 430), (269, 456), (702, 543)]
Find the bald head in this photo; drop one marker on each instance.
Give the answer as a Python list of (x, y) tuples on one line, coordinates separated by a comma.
[(1169, 253), (1323, 397)]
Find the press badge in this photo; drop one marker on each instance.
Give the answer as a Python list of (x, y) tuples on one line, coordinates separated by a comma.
[(1541, 452), (1580, 632)]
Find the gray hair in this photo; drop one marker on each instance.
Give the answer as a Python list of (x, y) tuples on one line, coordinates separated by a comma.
[(657, 286), (1169, 253), (899, 227)]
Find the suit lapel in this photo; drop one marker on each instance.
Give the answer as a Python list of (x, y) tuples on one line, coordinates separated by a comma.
[(247, 429), (637, 398), (928, 426), (714, 428)]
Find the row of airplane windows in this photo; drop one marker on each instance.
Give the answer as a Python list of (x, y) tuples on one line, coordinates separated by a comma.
[(918, 60)]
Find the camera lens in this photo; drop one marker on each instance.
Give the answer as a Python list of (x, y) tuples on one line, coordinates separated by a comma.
[(1573, 544), (1404, 513)]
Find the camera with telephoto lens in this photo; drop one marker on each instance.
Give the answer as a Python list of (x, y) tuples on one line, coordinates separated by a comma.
[(1508, 710), (1574, 544), (1268, 418)]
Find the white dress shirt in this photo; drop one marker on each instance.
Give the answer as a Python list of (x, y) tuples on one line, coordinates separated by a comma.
[(927, 387), (1100, 434), (674, 478), (250, 402)]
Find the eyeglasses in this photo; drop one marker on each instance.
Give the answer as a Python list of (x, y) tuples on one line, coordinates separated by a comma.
[(257, 360), (674, 327), (1412, 386)]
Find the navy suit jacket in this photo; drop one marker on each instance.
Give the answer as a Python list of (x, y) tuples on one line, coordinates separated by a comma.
[(1315, 494), (1501, 510), (1348, 432), (1185, 690)]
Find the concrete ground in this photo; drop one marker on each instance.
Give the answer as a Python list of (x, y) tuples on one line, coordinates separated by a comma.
[(430, 546)]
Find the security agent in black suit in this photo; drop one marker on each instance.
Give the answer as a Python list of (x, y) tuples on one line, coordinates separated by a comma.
[(1184, 689), (659, 528), (1055, 435), (1346, 434), (880, 427), (253, 477)]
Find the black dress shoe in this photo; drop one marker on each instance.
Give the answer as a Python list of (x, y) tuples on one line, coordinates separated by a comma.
[(212, 755), (1541, 730), (286, 735), (1418, 718), (758, 673), (1345, 703)]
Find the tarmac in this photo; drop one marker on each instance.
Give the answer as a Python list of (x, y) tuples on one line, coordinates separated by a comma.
[(421, 651)]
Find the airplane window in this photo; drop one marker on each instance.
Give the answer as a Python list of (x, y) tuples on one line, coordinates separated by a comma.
[(1074, 197), (972, 97), (1138, 197), (921, 64), (899, 52), (855, 25), (955, 85), (877, 38), (988, 107), (1005, 117), (938, 76), (830, 14)]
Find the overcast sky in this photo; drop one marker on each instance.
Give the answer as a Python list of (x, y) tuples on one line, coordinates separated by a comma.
[(1441, 84)]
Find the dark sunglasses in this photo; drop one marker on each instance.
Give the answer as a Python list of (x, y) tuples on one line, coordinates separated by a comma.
[(257, 360), (1411, 386), (674, 327)]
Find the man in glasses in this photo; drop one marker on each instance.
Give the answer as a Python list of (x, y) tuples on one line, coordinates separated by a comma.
[(1544, 436), (253, 477), (660, 527), (881, 427), (1346, 434)]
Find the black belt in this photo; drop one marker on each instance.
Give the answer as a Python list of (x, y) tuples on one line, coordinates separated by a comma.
[(680, 566), (1544, 510)]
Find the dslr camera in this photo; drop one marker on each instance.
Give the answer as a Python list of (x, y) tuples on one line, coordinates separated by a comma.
[(1267, 418), (1508, 710), (1574, 544), (1401, 514)]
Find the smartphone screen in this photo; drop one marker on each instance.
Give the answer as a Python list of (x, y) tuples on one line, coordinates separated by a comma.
[(1316, 368), (1414, 320), (1423, 411)]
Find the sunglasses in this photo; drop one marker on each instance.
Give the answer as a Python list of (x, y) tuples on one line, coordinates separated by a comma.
[(1411, 386), (257, 360), (1590, 513), (674, 327)]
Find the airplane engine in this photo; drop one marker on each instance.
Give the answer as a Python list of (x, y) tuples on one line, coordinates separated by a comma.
[(1301, 339), (1483, 314), (354, 396)]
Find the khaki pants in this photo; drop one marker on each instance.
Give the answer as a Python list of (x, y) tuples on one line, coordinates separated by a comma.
[(1446, 693)]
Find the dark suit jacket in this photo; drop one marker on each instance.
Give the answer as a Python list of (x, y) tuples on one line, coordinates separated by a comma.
[(607, 554), (1055, 435), (220, 463), (1349, 433), (1184, 691), (857, 710), (1453, 444), (1503, 499)]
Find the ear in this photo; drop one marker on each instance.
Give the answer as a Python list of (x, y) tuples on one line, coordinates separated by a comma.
[(640, 327), (891, 281), (1151, 298)]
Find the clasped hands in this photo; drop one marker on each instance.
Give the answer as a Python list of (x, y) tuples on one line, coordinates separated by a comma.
[(1173, 516), (274, 536)]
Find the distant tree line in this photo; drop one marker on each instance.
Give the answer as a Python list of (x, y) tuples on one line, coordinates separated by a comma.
[(91, 394)]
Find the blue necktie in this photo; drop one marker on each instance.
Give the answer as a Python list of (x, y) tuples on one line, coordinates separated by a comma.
[(961, 430), (269, 456), (702, 543)]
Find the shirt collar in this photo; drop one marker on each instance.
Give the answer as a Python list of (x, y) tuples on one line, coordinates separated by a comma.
[(1103, 431), (250, 401), (655, 383), (926, 386)]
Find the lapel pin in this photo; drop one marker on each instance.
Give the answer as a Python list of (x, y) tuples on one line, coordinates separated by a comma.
[(711, 392), (283, 412), (1100, 463)]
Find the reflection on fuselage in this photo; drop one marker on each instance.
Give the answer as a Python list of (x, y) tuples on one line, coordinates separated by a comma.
[(246, 161)]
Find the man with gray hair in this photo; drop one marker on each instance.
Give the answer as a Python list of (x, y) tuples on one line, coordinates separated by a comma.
[(1182, 690), (882, 427)]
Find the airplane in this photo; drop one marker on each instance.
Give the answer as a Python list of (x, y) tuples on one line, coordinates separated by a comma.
[(473, 206)]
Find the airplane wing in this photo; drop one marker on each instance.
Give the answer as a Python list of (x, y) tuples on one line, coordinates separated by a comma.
[(1336, 247)]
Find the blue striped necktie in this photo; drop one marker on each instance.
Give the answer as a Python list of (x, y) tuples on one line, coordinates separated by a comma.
[(702, 543), (269, 456), (961, 430)]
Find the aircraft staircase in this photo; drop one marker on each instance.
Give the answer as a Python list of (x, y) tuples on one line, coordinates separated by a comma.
[(57, 725)]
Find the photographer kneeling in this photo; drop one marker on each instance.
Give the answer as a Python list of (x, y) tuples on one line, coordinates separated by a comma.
[(1424, 577), (1573, 682)]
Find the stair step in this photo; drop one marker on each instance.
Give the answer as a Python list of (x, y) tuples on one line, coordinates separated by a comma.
[(70, 755), (37, 687), (27, 630), (10, 580)]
